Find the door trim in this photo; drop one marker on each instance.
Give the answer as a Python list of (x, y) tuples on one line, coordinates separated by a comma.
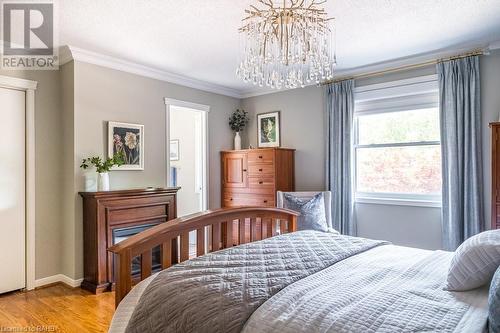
[(206, 153), (29, 88), (189, 105)]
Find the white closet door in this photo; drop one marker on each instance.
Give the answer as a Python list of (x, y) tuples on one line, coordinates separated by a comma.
[(12, 189)]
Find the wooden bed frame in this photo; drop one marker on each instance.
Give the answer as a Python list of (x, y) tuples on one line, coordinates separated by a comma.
[(263, 222)]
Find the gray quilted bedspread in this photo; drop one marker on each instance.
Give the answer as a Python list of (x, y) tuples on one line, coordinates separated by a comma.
[(220, 291), (386, 290)]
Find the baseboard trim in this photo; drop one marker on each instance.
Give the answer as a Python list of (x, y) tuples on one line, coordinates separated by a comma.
[(58, 278)]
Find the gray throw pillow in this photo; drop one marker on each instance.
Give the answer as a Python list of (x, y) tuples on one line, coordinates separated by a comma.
[(475, 262), (312, 212), (494, 304)]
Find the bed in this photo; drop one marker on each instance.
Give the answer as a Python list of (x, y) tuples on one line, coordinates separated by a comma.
[(280, 279)]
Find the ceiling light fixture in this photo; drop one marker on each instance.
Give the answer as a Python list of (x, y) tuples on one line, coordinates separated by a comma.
[(287, 45)]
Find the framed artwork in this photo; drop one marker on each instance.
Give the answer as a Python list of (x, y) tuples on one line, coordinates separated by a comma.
[(268, 129), (174, 150), (129, 140)]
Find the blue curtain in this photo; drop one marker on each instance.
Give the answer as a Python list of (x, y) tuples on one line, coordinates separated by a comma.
[(339, 120), (460, 113)]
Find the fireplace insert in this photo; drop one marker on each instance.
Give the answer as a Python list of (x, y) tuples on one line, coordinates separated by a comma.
[(120, 234)]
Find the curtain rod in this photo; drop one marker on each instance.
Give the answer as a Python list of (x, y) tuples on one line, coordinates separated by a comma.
[(476, 52)]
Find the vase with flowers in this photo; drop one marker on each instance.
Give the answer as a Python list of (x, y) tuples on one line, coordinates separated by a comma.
[(102, 168), (237, 122)]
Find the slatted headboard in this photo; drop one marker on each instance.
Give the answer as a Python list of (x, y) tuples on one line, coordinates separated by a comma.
[(174, 234)]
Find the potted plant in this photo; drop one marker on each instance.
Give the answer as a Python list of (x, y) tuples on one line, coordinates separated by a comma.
[(237, 122), (102, 168)]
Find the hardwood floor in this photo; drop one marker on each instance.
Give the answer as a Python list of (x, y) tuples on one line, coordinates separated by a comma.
[(57, 308)]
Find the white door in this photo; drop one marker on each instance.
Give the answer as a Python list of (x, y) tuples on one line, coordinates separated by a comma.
[(12, 190), (187, 158)]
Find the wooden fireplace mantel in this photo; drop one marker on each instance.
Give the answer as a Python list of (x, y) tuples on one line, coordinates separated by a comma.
[(130, 192), (105, 211)]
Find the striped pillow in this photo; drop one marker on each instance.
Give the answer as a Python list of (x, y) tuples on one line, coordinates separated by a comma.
[(474, 262)]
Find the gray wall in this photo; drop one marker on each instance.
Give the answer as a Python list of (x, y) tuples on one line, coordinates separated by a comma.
[(403, 225), (48, 147), (103, 94), (302, 128), (68, 234), (490, 106)]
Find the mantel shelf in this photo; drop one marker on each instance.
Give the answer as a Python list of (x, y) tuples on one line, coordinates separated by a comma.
[(130, 192)]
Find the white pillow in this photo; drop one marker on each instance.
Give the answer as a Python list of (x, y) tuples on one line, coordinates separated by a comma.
[(474, 262)]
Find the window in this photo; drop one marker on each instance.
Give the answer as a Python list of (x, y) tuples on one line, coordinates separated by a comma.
[(397, 145)]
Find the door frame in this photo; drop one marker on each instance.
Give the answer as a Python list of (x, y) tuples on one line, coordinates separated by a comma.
[(29, 88), (205, 109)]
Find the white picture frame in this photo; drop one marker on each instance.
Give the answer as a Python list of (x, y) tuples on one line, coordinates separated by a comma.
[(174, 150), (128, 138)]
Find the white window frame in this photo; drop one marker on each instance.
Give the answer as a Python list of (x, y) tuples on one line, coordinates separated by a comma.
[(402, 95)]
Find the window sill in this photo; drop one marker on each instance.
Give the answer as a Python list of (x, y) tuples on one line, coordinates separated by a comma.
[(398, 202)]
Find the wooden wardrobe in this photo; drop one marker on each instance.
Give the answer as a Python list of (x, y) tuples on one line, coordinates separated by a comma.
[(251, 177), (495, 175)]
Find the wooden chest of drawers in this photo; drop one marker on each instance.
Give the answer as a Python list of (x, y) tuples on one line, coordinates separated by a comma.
[(252, 177), (495, 175)]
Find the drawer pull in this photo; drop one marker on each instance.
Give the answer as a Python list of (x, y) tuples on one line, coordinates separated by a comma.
[(260, 170), (261, 182), (231, 199), (265, 201), (244, 170), (261, 157)]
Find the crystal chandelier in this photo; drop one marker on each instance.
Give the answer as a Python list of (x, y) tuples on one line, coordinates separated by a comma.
[(286, 45)]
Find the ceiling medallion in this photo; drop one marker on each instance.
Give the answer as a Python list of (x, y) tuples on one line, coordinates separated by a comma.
[(288, 44)]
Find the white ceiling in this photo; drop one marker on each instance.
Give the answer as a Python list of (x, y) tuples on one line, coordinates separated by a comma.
[(199, 39)]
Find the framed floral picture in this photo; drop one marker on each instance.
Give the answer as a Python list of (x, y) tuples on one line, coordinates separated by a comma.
[(127, 139), (268, 129)]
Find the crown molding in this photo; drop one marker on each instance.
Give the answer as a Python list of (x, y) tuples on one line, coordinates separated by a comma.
[(413, 60), (70, 53), (65, 55), (395, 63), (255, 93), (494, 45)]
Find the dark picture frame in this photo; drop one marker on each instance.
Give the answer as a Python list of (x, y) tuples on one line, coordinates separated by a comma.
[(128, 139), (269, 129)]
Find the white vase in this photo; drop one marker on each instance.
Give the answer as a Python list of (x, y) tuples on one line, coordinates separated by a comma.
[(237, 141), (90, 179), (103, 181)]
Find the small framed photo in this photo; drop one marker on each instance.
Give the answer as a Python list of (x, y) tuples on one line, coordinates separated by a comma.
[(127, 139), (268, 129), (174, 150)]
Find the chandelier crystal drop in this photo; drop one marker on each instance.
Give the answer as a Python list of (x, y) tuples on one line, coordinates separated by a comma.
[(289, 44)]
